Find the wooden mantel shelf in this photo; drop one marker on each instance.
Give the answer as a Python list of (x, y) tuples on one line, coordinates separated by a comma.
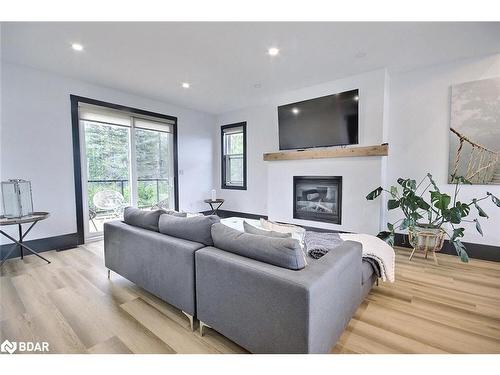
[(337, 152)]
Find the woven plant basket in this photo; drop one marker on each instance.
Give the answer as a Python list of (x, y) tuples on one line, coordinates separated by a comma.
[(426, 239)]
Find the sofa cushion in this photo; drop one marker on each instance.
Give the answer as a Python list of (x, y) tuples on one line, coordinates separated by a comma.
[(281, 252), (141, 218), (196, 228), (264, 232)]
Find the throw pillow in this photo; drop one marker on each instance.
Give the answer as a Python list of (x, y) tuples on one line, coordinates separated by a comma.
[(196, 228), (264, 232), (281, 252), (141, 218), (296, 231), (174, 212)]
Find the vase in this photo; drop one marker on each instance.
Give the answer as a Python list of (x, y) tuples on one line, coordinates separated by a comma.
[(16, 198)]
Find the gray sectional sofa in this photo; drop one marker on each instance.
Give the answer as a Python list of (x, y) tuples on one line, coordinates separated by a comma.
[(240, 286)]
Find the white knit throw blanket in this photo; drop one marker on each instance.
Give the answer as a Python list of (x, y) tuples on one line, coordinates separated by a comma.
[(373, 247), (377, 249)]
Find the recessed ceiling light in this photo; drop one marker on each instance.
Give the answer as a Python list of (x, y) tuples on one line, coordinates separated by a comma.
[(186, 85), (295, 110), (273, 51), (360, 55), (257, 85), (77, 47)]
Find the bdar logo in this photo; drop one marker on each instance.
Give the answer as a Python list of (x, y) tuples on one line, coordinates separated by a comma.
[(8, 347)]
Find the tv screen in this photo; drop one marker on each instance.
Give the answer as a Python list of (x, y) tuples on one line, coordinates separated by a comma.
[(327, 121)]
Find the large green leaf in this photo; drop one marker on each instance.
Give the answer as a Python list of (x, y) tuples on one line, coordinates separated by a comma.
[(494, 199), (408, 184), (478, 227), (461, 250), (440, 200), (455, 215), (457, 232), (374, 194), (421, 203), (480, 211), (412, 184), (392, 204), (463, 207)]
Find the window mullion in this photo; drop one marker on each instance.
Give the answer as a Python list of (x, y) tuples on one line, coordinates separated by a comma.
[(133, 165)]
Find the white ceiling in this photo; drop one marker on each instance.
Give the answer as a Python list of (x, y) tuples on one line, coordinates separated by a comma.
[(224, 61)]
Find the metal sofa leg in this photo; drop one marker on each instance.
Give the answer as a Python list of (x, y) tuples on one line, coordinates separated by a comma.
[(109, 274), (203, 325), (191, 320)]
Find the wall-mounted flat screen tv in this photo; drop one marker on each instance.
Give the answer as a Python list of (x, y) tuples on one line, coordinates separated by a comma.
[(327, 121)]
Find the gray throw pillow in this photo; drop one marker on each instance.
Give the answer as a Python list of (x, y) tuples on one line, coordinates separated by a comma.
[(196, 228), (281, 252), (249, 228), (141, 218), (174, 213)]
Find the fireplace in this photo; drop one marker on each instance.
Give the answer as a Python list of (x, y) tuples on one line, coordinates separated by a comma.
[(317, 198)]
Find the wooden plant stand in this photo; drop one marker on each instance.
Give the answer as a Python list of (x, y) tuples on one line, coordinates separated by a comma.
[(427, 241)]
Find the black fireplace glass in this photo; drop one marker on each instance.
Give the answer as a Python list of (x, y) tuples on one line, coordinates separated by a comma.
[(317, 198)]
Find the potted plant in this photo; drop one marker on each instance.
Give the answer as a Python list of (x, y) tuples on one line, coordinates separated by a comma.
[(430, 221)]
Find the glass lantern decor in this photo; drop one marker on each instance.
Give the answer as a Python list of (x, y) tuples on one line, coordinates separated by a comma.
[(17, 200)]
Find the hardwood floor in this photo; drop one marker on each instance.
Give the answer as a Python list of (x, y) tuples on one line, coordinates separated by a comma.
[(450, 308)]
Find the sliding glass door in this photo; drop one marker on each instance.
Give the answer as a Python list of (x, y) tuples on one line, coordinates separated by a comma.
[(155, 165), (127, 160)]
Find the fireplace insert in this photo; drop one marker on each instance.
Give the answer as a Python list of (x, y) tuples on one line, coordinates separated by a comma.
[(317, 198)]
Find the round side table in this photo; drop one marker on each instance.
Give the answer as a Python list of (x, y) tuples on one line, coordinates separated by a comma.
[(33, 219), (217, 202)]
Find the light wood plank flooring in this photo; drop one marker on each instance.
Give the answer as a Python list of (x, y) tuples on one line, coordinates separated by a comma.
[(450, 308)]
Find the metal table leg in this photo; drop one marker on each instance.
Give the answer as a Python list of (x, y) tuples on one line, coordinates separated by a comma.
[(20, 231), (21, 244), (214, 210)]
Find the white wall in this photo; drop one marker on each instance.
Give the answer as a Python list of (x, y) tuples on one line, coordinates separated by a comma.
[(419, 112), (36, 142), (270, 183)]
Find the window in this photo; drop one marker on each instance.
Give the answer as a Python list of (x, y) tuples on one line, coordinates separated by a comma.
[(128, 159), (234, 156)]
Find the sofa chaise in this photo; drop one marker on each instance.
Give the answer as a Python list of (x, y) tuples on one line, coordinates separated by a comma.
[(255, 290)]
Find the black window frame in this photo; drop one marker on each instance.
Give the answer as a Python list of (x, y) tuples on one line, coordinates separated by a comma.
[(77, 167), (223, 128)]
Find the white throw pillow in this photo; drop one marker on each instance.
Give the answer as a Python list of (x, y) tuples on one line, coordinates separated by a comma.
[(249, 228), (296, 231)]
